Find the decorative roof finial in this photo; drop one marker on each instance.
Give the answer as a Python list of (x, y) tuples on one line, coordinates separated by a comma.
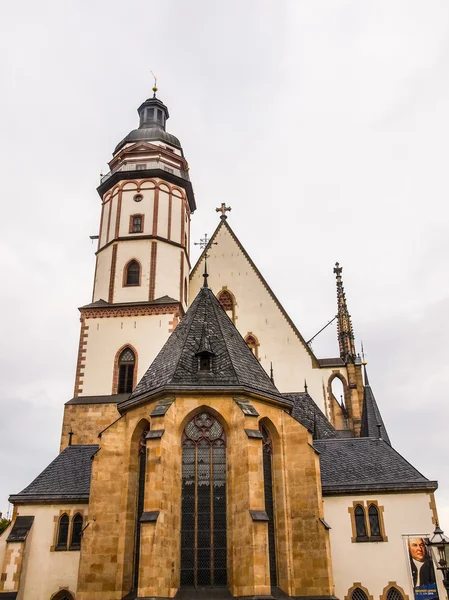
[(305, 386), (155, 84), (205, 244), (345, 330), (71, 434), (364, 363), (271, 371), (223, 210)]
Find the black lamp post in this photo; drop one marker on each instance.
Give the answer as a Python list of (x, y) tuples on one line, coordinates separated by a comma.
[(439, 545)]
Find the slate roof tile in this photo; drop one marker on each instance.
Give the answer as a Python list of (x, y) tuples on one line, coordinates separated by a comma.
[(366, 464), (371, 416), (66, 478), (308, 414)]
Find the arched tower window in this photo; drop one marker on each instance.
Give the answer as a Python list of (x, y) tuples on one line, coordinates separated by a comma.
[(126, 364), (132, 273), (227, 303), (253, 344), (358, 594), (63, 533), (269, 501), (374, 522), (360, 522), (203, 522), (77, 528), (62, 595)]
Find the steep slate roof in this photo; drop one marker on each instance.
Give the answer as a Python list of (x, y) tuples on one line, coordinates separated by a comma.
[(234, 367), (371, 416), (103, 304), (366, 464), (66, 478), (308, 414)]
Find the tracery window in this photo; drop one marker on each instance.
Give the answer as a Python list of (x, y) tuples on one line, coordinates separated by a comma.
[(360, 522), (63, 533), (269, 501), (77, 528), (203, 521), (253, 344), (126, 364), (132, 274), (394, 594), (227, 303), (358, 594), (62, 595)]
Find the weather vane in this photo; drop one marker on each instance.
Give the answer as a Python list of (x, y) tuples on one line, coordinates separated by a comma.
[(205, 244), (155, 84)]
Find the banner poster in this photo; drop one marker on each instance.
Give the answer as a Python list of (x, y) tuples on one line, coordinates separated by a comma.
[(421, 568)]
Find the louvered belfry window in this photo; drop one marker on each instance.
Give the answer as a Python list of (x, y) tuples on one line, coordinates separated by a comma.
[(126, 363), (269, 501), (203, 522)]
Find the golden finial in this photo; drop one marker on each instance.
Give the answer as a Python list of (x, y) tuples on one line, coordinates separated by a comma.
[(363, 356), (155, 84)]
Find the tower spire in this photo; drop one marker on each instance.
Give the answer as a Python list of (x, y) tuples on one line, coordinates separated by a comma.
[(345, 330)]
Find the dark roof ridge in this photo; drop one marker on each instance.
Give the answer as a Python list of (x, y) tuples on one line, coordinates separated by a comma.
[(214, 307)]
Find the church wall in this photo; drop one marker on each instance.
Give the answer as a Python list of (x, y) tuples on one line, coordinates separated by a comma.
[(168, 271), (44, 570), (304, 562), (130, 207), (139, 250), (257, 312), (106, 336), (102, 275), (86, 421), (375, 564)]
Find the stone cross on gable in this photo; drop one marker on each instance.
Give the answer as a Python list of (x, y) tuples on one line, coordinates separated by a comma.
[(223, 210)]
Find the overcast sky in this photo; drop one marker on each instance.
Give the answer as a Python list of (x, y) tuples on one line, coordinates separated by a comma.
[(324, 124)]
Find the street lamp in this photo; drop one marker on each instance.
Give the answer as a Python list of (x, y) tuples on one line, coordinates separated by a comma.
[(439, 545)]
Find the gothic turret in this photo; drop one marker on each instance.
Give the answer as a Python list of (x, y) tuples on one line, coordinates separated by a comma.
[(345, 330)]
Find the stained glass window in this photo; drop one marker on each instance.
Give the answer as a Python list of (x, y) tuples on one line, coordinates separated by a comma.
[(269, 501), (394, 594), (374, 524), (358, 594), (360, 524), (203, 523), (126, 364), (77, 527), (63, 533)]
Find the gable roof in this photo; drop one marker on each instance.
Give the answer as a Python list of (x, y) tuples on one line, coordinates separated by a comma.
[(364, 465), (224, 223), (66, 478), (205, 326), (307, 412), (371, 417)]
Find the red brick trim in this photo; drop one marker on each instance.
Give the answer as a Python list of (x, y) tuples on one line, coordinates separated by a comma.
[(108, 231), (173, 323), (170, 205), (81, 361), (129, 311), (112, 274), (181, 275), (118, 215), (116, 367), (101, 226), (153, 264), (131, 217), (138, 236), (155, 210), (125, 273), (183, 224)]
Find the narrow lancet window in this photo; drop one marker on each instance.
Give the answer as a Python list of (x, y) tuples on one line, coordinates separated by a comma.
[(126, 364), (77, 528), (63, 533), (133, 273), (374, 523), (360, 522), (269, 501)]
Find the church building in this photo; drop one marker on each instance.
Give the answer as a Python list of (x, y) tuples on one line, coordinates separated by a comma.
[(189, 468)]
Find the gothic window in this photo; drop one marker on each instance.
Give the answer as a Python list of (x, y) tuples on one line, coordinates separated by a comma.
[(360, 523), (394, 594), (126, 364), (63, 533), (226, 300), (77, 527), (374, 523), (136, 224), (132, 273), (253, 344), (358, 594), (203, 521), (142, 451), (62, 595), (269, 501)]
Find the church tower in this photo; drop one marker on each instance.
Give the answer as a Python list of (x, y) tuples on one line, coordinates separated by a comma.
[(141, 282)]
